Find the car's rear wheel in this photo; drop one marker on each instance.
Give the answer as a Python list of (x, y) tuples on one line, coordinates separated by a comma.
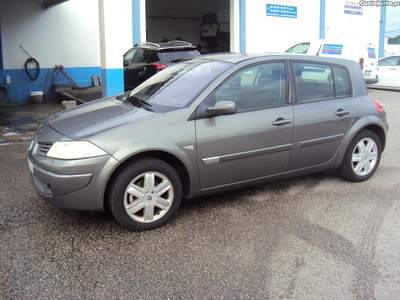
[(362, 157), (145, 194)]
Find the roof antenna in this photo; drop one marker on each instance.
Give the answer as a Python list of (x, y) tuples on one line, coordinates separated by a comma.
[(326, 33)]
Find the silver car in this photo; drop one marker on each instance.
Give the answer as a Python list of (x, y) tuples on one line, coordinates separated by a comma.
[(208, 125)]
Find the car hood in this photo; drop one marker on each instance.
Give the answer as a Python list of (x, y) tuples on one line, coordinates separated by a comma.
[(96, 117)]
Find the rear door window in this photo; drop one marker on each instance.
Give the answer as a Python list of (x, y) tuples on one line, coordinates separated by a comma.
[(313, 81), (142, 56), (342, 82), (128, 58), (316, 82)]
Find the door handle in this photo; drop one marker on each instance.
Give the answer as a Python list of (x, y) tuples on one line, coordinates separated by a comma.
[(281, 121), (341, 113)]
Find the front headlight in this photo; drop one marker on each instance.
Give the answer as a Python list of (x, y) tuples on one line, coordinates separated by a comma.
[(74, 150)]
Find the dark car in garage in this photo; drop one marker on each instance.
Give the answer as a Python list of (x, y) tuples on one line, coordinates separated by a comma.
[(144, 60), (207, 125)]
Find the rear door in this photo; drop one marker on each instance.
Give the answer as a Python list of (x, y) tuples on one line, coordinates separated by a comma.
[(323, 113), (256, 141)]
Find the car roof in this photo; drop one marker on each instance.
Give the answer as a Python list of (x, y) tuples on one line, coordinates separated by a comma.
[(236, 58), (174, 44)]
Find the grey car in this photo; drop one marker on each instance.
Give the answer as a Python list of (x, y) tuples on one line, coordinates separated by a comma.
[(208, 125)]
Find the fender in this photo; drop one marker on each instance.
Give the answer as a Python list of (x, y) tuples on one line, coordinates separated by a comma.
[(186, 156), (360, 124)]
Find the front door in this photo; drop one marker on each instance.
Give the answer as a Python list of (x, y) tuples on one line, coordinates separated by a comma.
[(256, 141)]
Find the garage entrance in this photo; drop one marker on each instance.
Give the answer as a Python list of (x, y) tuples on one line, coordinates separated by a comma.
[(205, 24)]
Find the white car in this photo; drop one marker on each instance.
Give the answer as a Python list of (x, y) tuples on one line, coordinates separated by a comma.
[(389, 70)]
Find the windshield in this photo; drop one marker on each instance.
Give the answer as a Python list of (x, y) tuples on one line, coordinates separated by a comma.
[(176, 86)]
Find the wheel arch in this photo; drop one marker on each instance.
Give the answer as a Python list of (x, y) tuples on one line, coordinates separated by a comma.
[(378, 131), (368, 123), (168, 158)]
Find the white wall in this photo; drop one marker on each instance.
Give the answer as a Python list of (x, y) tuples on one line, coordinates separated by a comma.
[(66, 34), (115, 31), (269, 34), (356, 28), (266, 33)]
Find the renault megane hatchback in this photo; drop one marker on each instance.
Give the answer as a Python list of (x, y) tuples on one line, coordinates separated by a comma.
[(207, 125)]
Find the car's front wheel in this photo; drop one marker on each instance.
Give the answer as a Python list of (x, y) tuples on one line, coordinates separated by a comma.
[(362, 157), (145, 194)]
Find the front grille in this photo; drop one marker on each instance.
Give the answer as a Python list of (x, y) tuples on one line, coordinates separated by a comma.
[(43, 148)]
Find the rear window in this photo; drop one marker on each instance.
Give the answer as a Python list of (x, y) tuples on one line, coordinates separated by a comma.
[(176, 55), (320, 82)]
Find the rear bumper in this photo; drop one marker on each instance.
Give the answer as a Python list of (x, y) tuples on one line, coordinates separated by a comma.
[(370, 80)]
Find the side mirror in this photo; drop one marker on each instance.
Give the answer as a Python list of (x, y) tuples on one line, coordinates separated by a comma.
[(126, 63), (223, 108)]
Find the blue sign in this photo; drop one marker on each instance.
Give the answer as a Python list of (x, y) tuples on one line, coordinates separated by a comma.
[(353, 12), (282, 11), (332, 49), (371, 52)]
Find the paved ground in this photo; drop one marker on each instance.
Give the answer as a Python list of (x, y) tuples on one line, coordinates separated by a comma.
[(314, 237)]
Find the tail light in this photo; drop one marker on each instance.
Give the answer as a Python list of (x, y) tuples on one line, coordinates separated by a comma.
[(362, 63), (378, 105), (158, 66), (218, 27)]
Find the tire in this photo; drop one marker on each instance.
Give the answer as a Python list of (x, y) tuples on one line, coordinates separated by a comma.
[(362, 157), (146, 194)]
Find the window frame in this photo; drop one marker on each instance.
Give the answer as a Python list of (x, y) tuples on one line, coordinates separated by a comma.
[(331, 65), (288, 82)]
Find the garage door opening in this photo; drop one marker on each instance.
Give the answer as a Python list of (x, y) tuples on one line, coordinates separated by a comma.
[(205, 24)]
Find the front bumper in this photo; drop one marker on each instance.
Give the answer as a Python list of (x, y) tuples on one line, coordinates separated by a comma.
[(72, 184)]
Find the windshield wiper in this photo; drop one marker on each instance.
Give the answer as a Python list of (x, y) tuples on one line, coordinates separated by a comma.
[(123, 96), (136, 101), (146, 105)]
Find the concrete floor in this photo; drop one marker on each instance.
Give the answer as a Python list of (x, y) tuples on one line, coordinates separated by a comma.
[(19, 123), (313, 237)]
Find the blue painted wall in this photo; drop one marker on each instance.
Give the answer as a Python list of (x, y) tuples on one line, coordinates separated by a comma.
[(322, 19), (136, 21), (21, 85), (382, 31), (242, 25), (113, 80)]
